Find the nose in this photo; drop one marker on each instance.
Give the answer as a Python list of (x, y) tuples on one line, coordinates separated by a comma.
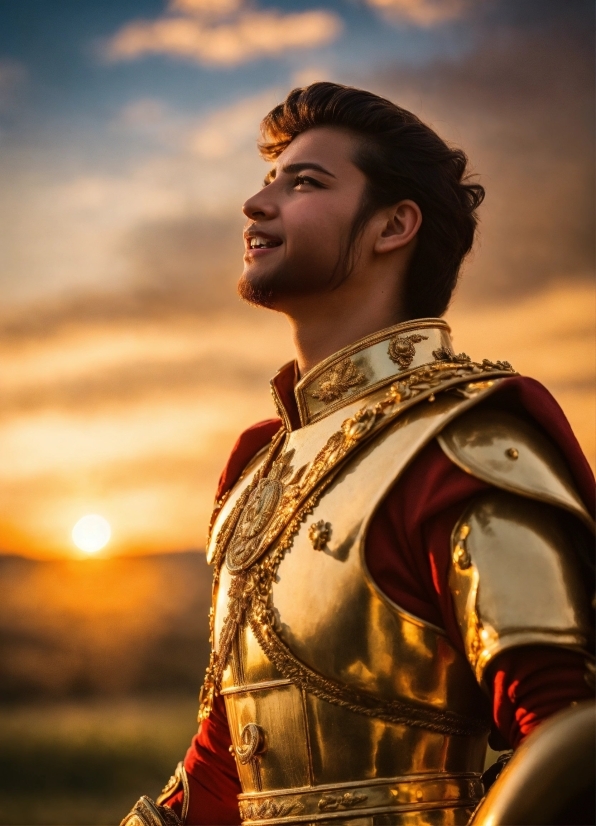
[(260, 205)]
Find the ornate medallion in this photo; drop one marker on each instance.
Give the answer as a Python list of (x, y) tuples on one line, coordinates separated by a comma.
[(402, 351), (258, 511)]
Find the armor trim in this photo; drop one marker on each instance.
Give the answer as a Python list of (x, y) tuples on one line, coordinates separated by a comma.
[(368, 365), (501, 534), (333, 802), (178, 780), (147, 813), (513, 455)]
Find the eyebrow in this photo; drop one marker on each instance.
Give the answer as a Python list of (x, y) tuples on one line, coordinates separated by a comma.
[(293, 168)]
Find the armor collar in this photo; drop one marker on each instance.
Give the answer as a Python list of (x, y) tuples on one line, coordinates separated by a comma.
[(357, 370)]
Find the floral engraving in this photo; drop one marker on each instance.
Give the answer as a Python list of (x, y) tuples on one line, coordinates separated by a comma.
[(331, 803), (445, 354), (402, 351), (269, 808), (338, 380)]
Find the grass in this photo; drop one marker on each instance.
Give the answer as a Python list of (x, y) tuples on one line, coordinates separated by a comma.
[(87, 763)]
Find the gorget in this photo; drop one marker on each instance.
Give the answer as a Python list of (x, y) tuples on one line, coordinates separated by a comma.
[(342, 706)]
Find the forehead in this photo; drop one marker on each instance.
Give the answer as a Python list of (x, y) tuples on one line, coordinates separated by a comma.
[(328, 146)]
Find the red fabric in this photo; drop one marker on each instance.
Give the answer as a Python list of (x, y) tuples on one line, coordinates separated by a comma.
[(531, 683), (408, 554), (249, 443)]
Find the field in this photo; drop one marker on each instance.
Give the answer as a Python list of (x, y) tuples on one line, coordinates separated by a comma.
[(100, 665), (86, 763)]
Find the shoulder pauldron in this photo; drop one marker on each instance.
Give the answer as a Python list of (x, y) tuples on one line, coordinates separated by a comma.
[(515, 576)]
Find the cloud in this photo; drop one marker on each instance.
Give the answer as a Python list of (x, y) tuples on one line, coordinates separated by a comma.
[(521, 104), (250, 35), (420, 12), (233, 127)]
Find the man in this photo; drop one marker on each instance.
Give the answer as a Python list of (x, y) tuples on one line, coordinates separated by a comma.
[(400, 558)]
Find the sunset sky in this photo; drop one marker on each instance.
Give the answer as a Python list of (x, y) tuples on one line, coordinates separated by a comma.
[(128, 366)]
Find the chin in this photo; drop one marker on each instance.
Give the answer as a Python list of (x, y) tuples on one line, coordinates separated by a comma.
[(256, 291)]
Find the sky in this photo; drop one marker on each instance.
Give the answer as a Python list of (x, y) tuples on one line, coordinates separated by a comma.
[(128, 131)]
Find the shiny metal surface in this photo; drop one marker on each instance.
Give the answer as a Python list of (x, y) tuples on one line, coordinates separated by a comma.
[(499, 546), (335, 620), (147, 813), (550, 778), (179, 780), (373, 362), (514, 455), (391, 800)]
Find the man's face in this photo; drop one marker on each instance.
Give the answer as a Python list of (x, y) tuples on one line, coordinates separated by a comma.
[(299, 222)]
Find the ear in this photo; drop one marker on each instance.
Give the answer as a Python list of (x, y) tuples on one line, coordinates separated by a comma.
[(400, 226)]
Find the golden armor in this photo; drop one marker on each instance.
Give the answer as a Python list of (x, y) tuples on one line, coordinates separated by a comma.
[(343, 707)]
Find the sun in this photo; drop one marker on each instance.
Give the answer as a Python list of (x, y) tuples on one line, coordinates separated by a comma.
[(91, 533)]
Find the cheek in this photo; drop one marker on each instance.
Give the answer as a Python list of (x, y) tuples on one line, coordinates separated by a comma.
[(315, 232)]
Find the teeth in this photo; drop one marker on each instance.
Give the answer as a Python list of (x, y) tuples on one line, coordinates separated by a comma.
[(259, 243)]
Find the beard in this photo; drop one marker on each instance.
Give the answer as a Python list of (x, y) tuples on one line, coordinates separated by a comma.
[(270, 289)]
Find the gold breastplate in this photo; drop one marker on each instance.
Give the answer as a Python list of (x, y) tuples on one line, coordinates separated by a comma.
[(342, 707)]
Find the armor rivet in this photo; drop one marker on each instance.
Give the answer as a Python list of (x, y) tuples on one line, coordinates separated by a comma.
[(432, 397), (512, 453), (319, 534), (419, 795)]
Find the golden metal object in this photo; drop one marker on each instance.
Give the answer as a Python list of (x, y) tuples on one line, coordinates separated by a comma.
[(401, 349), (512, 453), (249, 591), (253, 743), (548, 776), (418, 799), (307, 650), (178, 780), (319, 534), (496, 610), (446, 354), (147, 813), (460, 555), (370, 356), (480, 441), (338, 381)]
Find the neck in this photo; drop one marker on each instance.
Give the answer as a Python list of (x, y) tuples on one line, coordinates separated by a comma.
[(322, 325)]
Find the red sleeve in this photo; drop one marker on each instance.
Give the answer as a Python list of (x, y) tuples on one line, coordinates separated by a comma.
[(211, 769), (408, 555), (212, 776)]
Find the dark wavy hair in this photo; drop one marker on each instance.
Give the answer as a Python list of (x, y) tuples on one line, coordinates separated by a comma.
[(402, 158)]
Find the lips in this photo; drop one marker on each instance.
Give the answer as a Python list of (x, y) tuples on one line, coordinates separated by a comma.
[(261, 241)]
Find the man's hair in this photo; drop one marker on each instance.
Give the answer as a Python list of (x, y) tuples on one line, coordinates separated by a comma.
[(402, 158)]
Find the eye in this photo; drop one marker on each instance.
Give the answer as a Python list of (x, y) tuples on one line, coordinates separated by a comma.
[(305, 180)]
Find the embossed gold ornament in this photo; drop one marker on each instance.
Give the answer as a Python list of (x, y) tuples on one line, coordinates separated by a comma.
[(336, 382), (402, 351), (331, 803), (445, 354), (253, 743), (319, 534), (257, 513), (268, 808)]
